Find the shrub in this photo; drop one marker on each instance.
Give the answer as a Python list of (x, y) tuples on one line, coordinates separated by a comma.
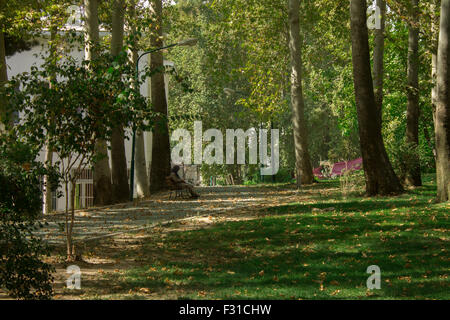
[(404, 156), (283, 175), (22, 272), (352, 182)]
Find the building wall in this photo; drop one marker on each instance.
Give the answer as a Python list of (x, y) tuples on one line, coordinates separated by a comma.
[(23, 61)]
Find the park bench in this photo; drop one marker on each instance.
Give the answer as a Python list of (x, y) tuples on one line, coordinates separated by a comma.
[(176, 190)]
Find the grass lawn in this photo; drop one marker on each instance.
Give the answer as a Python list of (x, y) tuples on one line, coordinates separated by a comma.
[(318, 248)]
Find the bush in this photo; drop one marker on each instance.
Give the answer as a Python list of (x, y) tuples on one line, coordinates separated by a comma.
[(283, 175), (250, 183), (22, 273), (404, 157), (254, 177), (352, 182)]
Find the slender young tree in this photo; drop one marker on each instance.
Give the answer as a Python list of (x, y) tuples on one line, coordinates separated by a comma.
[(101, 170), (303, 162), (47, 205), (160, 165), (118, 159), (442, 116), (413, 177), (380, 177)]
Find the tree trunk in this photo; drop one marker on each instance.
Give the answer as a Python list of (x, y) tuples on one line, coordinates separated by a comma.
[(120, 185), (413, 177), (101, 170), (378, 61), (426, 134), (442, 118), (47, 206), (380, 177), (69, 221), (3, 80), (47, 196), (160, 165), (92, 29), (70, 245), (303, 162), (142, 189), (434, 47), (434, 79), (3, 72), (3, 68)]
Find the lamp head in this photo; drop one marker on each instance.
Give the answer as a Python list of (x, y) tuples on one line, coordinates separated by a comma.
[(188, 42)]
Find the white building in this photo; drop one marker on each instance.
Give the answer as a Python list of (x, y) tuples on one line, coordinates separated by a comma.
[(23, 61)]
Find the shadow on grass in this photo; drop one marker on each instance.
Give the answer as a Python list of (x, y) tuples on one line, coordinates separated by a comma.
[(356, 205), (264, 259), (291, 252)]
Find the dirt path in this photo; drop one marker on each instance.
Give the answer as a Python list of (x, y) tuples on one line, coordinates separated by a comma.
[(119, 232), (111, 238), (103, 222)]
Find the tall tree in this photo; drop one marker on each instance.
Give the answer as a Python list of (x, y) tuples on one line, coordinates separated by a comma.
[(4, 117), (118, 158), (160, 165), (101, 169), (434, 46), (3, 75), (303, 162), (442, 116), (378, 59), (142, 188), (380, 177), (412, 111)]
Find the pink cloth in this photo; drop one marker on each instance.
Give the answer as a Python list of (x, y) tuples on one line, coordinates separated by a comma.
[(339, 167), (318, 173), (355, 164)]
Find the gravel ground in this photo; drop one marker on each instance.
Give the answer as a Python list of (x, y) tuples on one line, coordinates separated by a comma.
[(103, 222)]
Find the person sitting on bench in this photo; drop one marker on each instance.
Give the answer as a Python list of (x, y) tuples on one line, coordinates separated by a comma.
[(180, 182)]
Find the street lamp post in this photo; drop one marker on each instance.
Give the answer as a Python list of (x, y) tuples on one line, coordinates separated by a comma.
[(187, 42)]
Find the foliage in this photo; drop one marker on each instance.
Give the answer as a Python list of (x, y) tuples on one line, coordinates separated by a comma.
[(22, 272), (19, 184), (404, 157), (69, 105), (243, 47), (80, 107)]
